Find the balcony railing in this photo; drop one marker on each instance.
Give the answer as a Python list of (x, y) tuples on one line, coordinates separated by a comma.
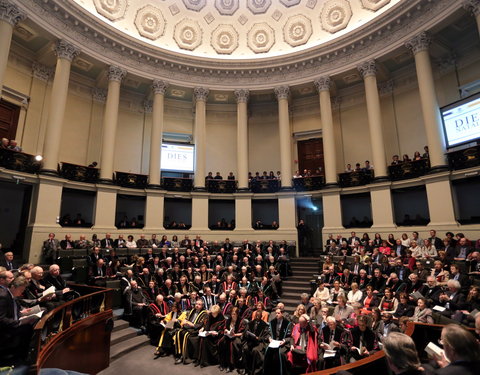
[(221, 186), (76, 172), (350, 179), (19, 161), (410, 169), (264, 186), (177, 184), (462, 159), (308, 183), (131, 180)]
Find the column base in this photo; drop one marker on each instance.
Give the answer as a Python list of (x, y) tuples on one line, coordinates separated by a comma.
[(154, 186), (105, 181), (331, 185), (49, 172), (438, 168), (243, 190), (381, 178), (199, 188), (286, 188)]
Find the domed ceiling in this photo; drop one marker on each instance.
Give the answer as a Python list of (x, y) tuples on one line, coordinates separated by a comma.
[(236, 29)]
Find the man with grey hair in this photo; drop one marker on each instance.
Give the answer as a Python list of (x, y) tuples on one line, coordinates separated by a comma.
[(401, 354), (453, 299), (8, 262)]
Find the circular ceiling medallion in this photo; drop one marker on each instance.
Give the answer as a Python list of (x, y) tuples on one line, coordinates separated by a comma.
[(224, 39), (111, 9), (335, 15), (226, 7), (261, 38), (297, 30), (188, 34), (150, 22)]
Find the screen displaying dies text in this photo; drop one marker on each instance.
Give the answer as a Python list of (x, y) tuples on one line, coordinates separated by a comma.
[(177, 157)]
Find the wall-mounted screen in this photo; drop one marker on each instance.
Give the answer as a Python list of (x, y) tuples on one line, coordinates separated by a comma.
[(461, 121), (177, 157)]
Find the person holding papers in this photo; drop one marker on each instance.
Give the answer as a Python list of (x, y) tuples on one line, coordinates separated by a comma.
[(230, 344), (276, 353), (335, 343), (205, 345), (255, 339), (363, 340), (422, 314), (171, 323), (303, 354)]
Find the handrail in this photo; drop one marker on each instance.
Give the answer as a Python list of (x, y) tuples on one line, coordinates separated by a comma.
[(65, 317), (378, 355)]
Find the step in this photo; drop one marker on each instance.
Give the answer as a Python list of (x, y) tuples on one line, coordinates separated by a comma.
[(295, 283), (301, 278), (117, 314), (120, 324), (122, 335), (126, 346), (295, 289), (303, 272)]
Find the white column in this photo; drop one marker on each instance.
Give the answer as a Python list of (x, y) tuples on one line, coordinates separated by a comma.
[(428, 98), (474, 7), (282, 93), (200, 95), (328, 137), (10, 15), (110, 120), (65, 52), (368, 71), (159, 88), (242, 138)]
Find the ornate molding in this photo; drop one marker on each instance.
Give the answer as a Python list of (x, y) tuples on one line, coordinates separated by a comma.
[(116, 74), (42, 72), (196, 5), (147, 106), (200, 94), (99, 95), (367, 68), (375, 39), (322, 83), (66, 50), (472, 6), (374, 4), (111, 9), (188, 34), (224, 39), (419, 43), (227, 7), (242, 95), (10, 13), (258, 6), (261, 38), (159, 86), (297, 30), (282, 92), (150, 22)]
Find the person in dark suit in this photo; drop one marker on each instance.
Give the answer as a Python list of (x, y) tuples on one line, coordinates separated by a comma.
[(461, 349), (399, 250), (98, 273), (436, 241), (53, 278), (352, 239), (107, 242), (16, 333), (67, 243), (401, 354), (8, 262), (334, 337), (94, 256), (453, 299), (363, 340)]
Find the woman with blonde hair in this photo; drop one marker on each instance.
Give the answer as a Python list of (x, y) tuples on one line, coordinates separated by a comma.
[(299, 311)]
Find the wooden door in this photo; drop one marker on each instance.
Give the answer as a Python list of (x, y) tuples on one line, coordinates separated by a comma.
[(8, 119), (310, 155)]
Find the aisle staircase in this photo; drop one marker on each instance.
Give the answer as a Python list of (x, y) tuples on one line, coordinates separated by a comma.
[(303, 270), (125, 338)]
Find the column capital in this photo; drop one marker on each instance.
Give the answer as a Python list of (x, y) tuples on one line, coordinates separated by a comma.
[(42, 72), (242, 95), (99, 95), (10, 13), (367, 68), (322, 83), (116, 73), (282, 92), (159, 86), (201, 94), (419, 42), (66, 50), (472, 6)]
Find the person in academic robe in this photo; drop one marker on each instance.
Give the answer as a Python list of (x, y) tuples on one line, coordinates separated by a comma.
[(253, 347), (206, 348), (172, 323), (158, 310), (230, 343), (337, 339), (303, 354), (275, 361), (190, 326)]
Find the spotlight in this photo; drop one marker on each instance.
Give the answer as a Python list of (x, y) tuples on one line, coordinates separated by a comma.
[(39, 158), (314, 208)]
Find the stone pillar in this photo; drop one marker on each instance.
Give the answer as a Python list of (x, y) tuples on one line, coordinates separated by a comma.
[(332, 212), (328, 137), (65, 52), (10, 15), (242, 138), (110, 120), (474, 7), (440, 201), (382, 207), (154, 211), (159, 88), (428, 99), (199, 211), (105, 208), (201, 95), (287, 215), (282, 93), (243, 212), (368, 71)]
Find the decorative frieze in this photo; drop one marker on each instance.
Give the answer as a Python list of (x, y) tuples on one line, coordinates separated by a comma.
[(201, 93), (115, 73), (159, 86), (367, 68), (322, 83), (282, 92)]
